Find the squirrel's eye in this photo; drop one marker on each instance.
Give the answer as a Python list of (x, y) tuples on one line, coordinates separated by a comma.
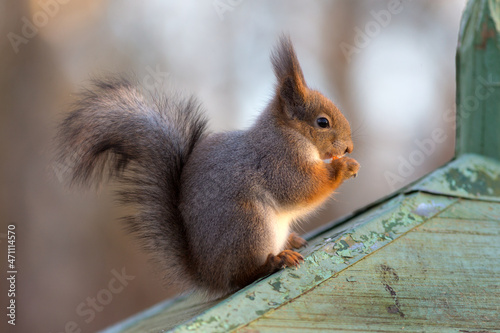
[(323, 122)]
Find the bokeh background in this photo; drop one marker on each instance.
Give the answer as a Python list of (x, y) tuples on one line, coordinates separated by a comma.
[(392, 74)]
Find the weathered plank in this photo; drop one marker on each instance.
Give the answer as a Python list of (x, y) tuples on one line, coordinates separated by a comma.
[(444, 275)]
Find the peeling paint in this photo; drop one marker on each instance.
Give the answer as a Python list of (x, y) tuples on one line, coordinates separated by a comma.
[(261, 312), (470, 176), (428, 209), (329, 248), (195, 325), (276, 284), (476, 182), (345, 253), (251, 296)]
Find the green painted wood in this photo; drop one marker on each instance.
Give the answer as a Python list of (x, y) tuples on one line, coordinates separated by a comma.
[(478, 80), (443, 275), (469, 176)]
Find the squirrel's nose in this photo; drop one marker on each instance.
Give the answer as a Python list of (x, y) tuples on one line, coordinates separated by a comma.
[(349, 148)]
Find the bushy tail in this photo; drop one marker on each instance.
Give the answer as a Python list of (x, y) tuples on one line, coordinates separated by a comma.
[(115, 131)]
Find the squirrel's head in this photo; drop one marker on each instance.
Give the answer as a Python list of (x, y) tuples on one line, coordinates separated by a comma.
[(307, 110)]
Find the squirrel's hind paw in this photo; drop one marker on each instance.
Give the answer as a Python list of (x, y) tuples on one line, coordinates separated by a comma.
[(286, 258), (295, 241)]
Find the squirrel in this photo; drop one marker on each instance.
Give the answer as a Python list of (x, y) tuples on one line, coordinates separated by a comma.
[(214, 210)]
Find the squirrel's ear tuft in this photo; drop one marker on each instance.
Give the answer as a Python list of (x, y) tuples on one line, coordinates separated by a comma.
[(292, 88)]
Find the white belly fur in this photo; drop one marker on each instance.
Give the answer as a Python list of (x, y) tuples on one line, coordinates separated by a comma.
[(281, 227), (284, 219)]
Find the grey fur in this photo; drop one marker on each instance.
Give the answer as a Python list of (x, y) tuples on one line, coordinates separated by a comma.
[(213, 209), (114, 129)]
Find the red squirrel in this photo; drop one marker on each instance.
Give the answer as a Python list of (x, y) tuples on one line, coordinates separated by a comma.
[(215, 210)]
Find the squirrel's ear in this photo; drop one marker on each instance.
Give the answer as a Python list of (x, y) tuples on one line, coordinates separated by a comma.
[(292, 88)]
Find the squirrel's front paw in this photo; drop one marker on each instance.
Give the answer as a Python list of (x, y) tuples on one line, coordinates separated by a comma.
[(346, 167)]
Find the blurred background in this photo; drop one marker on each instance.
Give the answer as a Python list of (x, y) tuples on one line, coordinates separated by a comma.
[(388, 65)]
